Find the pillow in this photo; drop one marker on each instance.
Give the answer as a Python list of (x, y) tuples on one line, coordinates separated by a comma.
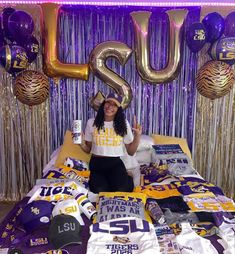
[(146, 143), (129, 161), (112, 205), (69, 149), (55, 153), (135, 173), (161, 140), (144, 157)]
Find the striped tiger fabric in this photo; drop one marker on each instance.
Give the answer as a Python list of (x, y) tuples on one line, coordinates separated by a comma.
[(215, 79), (31, 87)]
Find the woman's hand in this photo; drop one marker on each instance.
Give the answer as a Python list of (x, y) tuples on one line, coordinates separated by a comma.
[(137, 128), (85, 145)]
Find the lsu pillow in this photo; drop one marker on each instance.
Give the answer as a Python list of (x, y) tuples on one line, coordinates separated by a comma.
[(76, 164), (69, 149), (161, 140), (112, 205)]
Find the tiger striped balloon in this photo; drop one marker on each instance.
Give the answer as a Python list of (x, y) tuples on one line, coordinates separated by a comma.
[(31, 87), (215, 79)]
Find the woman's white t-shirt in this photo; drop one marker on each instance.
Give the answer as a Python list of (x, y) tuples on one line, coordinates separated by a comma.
[(106, 142)]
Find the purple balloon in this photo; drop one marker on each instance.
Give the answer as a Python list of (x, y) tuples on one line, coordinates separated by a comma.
[(230, 25), (196, 36), (32, 48), (214, 24), (223, 50), (20, 25), (6, 13), (13, 58), (2, 42)]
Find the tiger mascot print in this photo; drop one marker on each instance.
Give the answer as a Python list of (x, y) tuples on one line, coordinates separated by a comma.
[(31, 87), (215, 79)]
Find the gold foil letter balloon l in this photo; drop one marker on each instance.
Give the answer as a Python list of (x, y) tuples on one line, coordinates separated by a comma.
[(52, 66)]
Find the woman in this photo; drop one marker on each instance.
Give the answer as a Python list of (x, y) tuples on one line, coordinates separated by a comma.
[(104, 139)]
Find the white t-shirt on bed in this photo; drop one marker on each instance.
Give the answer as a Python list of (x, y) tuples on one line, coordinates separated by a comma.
[(106, 142)]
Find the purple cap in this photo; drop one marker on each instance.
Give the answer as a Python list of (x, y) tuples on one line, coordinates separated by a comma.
[(36, 214), (115, 98)]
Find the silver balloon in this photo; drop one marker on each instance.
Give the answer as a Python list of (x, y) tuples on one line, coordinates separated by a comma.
[(171, 71), (98, 66)]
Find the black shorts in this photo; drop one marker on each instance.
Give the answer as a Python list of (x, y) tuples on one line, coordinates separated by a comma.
[(109, 174)]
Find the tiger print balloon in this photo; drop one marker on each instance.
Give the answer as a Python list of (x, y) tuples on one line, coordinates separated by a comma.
[(31, 87), (215, 79)]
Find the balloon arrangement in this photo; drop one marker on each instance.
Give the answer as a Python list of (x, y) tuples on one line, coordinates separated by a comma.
[(220, 33), (19, 48)]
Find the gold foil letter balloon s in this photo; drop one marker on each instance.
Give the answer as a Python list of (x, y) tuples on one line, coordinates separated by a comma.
[(98, 66), (52, 66), (170, 72)]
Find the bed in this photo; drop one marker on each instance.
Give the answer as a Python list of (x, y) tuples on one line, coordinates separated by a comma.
[(153, 180)]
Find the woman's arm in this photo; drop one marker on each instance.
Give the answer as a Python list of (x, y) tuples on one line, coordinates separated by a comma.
[(86, 146), (132, 147)]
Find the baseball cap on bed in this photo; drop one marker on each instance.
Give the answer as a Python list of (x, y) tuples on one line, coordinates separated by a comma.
[(115, 98), (64, 230), (35, 215), (68, 206), (14, 251)]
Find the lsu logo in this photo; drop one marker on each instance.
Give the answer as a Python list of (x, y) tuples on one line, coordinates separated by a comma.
[(224, 50), (56, 252), (35, 210), (122, 227), (119, 239)]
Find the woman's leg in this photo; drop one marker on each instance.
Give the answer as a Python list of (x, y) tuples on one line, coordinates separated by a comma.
[(119, 180), (98, 181)]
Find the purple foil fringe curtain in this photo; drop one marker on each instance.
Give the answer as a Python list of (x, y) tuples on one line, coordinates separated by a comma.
[(166, 109)]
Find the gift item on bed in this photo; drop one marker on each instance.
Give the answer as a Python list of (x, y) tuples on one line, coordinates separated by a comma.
[(76, 164), (113, 205), (125, 235), (55, 191), (69, 173), (70, 207), (168, 140), (35, 215), (64, 230)]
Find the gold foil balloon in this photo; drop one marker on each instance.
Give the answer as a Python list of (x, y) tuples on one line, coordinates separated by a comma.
[(215, 79), (97, 100), (31, 87), (171, 71), (98, 66), (52, 66)]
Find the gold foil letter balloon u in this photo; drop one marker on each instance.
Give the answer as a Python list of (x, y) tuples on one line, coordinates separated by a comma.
[(170, 72), (98, 66), (52, 66)]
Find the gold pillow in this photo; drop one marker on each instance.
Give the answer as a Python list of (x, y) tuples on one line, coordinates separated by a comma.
[(69, 149), (167, 140)]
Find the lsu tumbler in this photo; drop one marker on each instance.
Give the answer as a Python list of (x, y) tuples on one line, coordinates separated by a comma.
[(77, 129)]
